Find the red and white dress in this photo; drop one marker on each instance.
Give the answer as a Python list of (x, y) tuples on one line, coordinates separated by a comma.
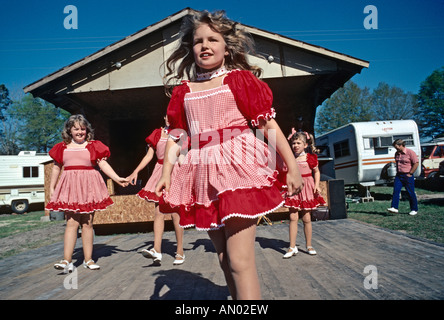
[(234, 174), (158, 143), (306, 199), (81, 188)]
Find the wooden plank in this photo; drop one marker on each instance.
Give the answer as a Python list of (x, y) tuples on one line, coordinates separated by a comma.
[(407, 268)]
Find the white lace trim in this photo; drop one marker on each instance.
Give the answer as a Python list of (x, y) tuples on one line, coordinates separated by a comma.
[(206, 95), (79, 212), (266, 116), (214, 226)]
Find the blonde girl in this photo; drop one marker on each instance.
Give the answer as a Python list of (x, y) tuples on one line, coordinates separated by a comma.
[(223, 184), (309, 198)]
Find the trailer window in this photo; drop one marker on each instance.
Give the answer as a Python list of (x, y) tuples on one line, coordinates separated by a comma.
[(408, 138), (30, 172), (377, 142), (386, 142), (341, 149)]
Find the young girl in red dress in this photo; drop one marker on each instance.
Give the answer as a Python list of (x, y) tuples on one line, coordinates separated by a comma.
[(156, 145), (309, 198), (228, 178), (80, 190)]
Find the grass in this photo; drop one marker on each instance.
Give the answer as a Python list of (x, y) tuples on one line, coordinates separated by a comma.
[(427, 224), (14, 224)]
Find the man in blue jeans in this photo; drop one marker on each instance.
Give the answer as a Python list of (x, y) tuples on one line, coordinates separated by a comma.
[(406, 164)]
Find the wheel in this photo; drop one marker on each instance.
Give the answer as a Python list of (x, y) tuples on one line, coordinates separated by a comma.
[(19, 206), (433, 175)]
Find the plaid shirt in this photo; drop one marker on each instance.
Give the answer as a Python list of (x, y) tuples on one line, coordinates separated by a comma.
[(405, 160)]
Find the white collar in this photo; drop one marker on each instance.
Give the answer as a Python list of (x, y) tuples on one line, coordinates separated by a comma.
[(211, 74)]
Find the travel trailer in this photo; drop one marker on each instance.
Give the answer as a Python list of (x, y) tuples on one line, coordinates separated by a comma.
[(362, 152), (22, 180)]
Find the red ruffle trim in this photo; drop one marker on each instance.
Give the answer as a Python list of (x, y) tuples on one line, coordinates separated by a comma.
[(152, 197), (250, 203), (305, 204), (268, 115), (148, 196), (79, 207)]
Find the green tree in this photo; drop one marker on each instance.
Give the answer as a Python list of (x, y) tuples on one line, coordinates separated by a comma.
[(431, 104), (348, 104), (8, 132), (392, 103), (39, 123), (5, 100)]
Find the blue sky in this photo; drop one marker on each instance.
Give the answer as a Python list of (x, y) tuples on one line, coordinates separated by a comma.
[(406, 47)]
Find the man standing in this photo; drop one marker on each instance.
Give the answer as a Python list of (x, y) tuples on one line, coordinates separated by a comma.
[(406, 164)]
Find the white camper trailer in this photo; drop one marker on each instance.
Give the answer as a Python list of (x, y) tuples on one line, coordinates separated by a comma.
[(22, 180), (362, 152)]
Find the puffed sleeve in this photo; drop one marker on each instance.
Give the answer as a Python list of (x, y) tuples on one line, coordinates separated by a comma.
[(312, 160), (56, 152), (154, 138), (253, 96), (176, 113), (98, 151)]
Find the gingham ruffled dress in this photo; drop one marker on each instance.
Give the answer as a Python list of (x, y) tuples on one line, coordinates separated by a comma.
[(158, 143), (228, 177), (306, 199), (81, 188)]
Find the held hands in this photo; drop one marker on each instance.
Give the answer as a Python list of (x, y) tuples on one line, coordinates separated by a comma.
[(122, 181), (132, 178)]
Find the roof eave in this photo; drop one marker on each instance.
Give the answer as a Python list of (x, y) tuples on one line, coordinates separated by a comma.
[(102, 52)]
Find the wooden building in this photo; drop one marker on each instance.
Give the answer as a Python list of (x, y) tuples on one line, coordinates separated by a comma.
[(120, 91)]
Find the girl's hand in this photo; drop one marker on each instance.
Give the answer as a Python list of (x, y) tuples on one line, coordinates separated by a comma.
[(163, 183), (51, 192), (316, 189), (294, 183), (122, 181), (132, 178)]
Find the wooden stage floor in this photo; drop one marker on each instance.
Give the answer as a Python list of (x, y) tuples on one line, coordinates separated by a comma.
[(401, 267)]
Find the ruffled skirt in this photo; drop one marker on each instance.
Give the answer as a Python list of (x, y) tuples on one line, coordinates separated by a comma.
[(148, 192), (306, 199), (237, 178), (80, 191)]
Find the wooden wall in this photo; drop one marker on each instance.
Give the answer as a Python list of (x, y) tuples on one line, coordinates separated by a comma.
[(131, 209)]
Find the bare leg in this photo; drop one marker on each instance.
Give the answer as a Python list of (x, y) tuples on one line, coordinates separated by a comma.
[(70, 239), (241, 235), (306, 219), (87, 235), (293, 232), (179, 233), (220, 244), (159, 225)]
